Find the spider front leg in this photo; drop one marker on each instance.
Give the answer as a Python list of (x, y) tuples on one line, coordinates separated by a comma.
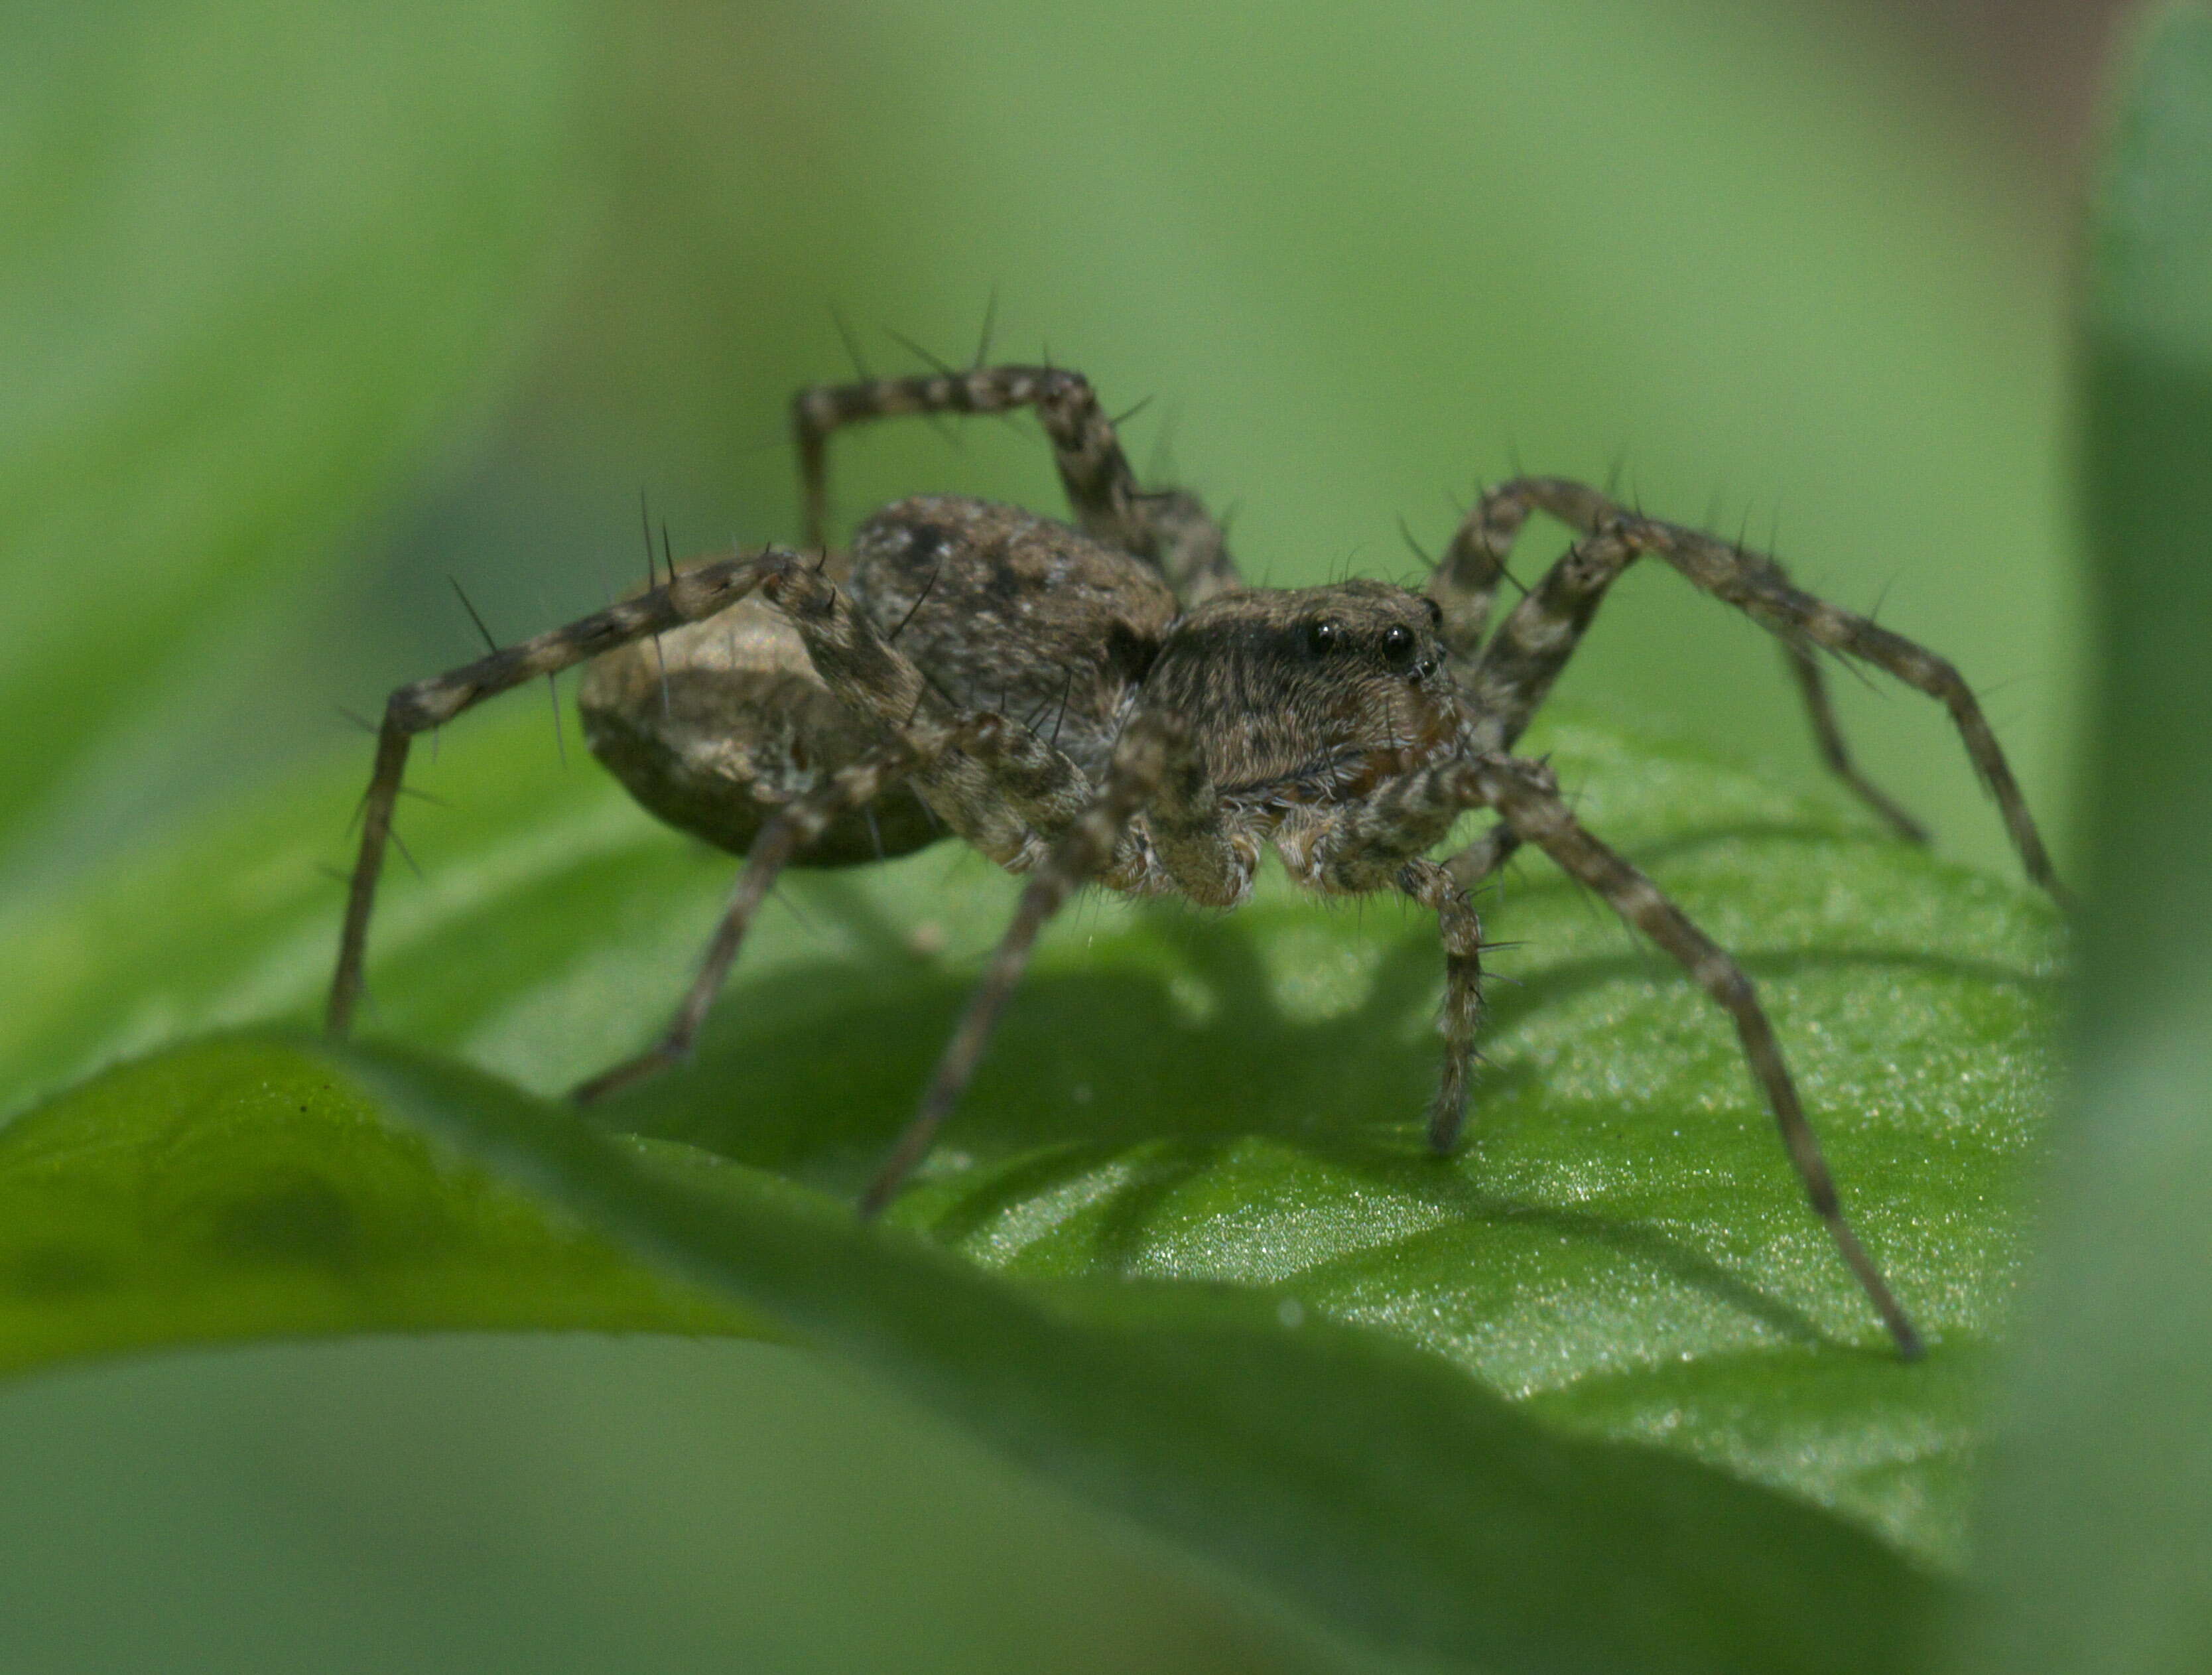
[(1483, 858), (1361, 847), (1170, 527), (1526, 794), (1510, 677), (1437, 888), (696, 594)]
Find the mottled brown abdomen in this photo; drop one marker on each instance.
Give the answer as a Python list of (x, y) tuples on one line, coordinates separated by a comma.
[(724, 721)]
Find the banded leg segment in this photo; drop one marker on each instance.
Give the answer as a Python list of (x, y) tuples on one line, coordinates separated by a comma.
[(1514, 673), (1141, 761), (1482, 858), (1755, 585), (1517, 669), (1828, 734), (791, 831), (1171, 528), (694, 594), (1526, 794), (1465, 582), (1435, 888), (1375, 844)]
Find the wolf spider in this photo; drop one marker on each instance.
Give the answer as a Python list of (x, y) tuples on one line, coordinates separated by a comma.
[(1108, 703)]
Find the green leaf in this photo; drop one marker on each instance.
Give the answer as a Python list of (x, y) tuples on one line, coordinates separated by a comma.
[(226, 1191), (1621, 1244), (1375, 1491), (2099, 1528), (258, 256)]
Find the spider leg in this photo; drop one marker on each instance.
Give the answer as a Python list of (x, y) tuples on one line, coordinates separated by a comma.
[(1042, 789), (697, 592), (1485, 856), (1189, 842), (796, 825), (1202, 850), (1829, 736), (1005, 790), (994, 780), (1358, 848), (1466, 580), (1141, 760), (1172, 527), (1515, 671), (1757, 585), (1526, 794), (1436, 888)]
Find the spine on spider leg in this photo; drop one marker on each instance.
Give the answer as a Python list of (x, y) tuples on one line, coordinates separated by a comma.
[(413, 708), (1460, 1019), (1464, 582), (810, 428)]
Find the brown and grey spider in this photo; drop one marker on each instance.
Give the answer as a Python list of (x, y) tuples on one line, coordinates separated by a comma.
[(840, 707)]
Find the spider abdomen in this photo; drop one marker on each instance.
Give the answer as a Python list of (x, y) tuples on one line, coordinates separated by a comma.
[(717, 726)]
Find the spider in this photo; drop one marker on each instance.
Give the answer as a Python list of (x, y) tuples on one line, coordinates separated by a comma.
[(1108, 703)]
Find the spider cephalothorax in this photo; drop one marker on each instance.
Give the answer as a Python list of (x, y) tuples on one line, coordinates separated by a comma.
[(1108, 704), (1309, 705)]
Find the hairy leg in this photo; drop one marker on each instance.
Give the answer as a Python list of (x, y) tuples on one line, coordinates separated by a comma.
[(1436, 889), (1828, 734), (1140, 762), (1465, 582), (993, 780), (1526, 794), (1172, 527), (1516, 670), (1482, 858), (695, 593), (782, 837), (1358, 848)]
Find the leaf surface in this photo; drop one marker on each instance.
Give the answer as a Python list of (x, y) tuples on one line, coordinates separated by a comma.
[(1389, 1503), (1620, 1246), (225, 1192)]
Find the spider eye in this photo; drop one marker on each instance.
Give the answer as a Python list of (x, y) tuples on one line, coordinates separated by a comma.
[(1436, 614), (1398, 643), (1323, 638)]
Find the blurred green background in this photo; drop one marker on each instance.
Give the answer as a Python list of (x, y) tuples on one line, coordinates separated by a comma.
[(305, 311)]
